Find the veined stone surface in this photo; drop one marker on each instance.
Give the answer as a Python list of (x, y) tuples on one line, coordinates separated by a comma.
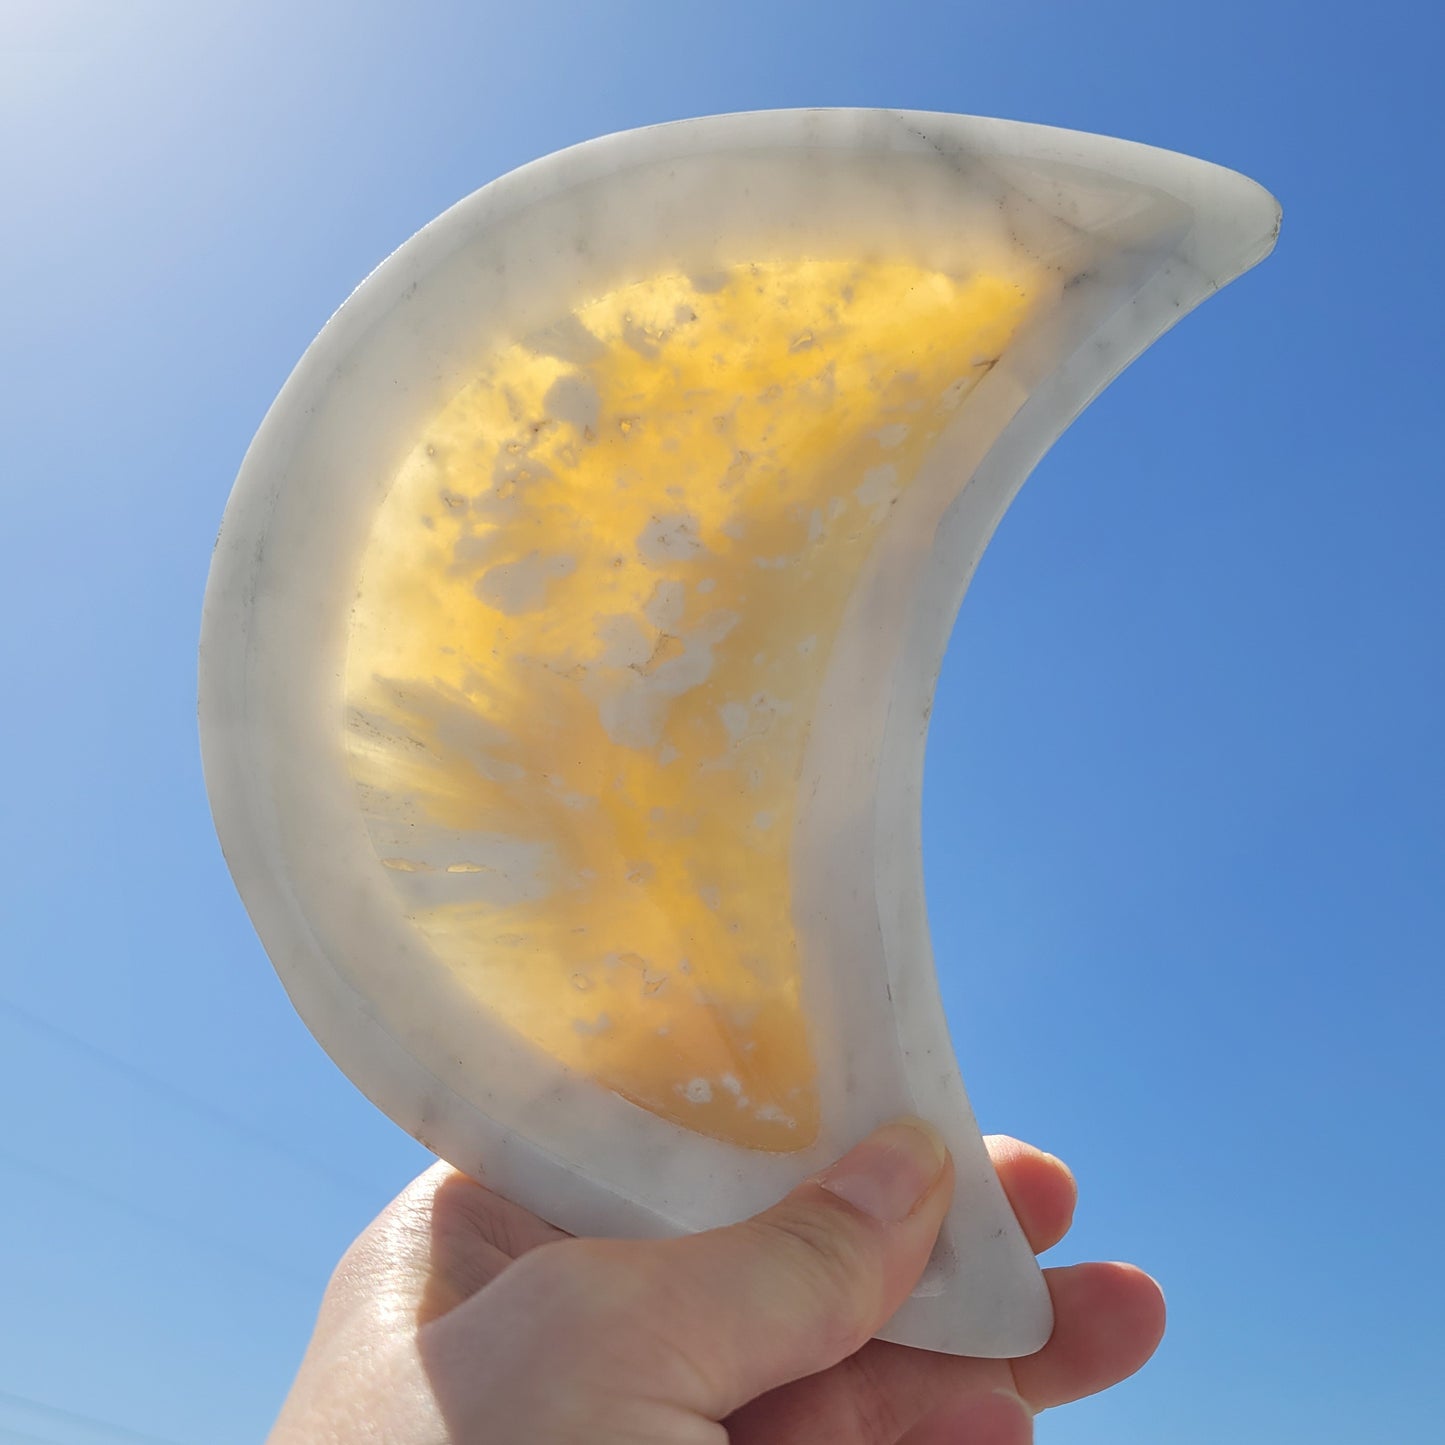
[(572, 633)]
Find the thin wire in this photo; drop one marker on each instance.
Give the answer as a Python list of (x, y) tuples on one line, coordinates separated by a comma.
[(73, 1418), (173, 1228), (179, 1096)]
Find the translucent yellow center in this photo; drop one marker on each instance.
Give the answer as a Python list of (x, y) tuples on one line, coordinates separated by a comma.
[(589, 631)]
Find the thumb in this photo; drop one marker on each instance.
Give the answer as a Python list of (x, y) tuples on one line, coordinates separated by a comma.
[(735, 1312)]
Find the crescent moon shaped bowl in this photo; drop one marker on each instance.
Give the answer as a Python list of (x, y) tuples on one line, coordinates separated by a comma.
[(572, 633)]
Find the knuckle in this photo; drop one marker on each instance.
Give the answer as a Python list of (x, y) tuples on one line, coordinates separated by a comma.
[(370, 1257)]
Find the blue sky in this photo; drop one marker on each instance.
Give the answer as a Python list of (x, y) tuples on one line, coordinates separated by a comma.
[(1183, 821)]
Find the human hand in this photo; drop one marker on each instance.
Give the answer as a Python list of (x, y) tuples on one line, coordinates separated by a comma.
[(458, 1318)]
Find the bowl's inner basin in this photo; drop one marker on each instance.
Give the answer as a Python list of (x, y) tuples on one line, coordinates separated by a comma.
[(589, 631)]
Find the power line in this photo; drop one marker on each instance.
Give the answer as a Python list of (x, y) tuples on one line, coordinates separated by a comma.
[(178, 1096), (71, 1417), (172, 1227)]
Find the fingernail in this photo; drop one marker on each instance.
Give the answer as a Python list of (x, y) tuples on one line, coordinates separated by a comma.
[(1020, 1405), (1010, 1422), (1134, 1269), (1062, 1165), (890, 1172)]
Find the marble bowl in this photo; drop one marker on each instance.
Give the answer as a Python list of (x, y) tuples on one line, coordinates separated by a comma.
[(572, 633)]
